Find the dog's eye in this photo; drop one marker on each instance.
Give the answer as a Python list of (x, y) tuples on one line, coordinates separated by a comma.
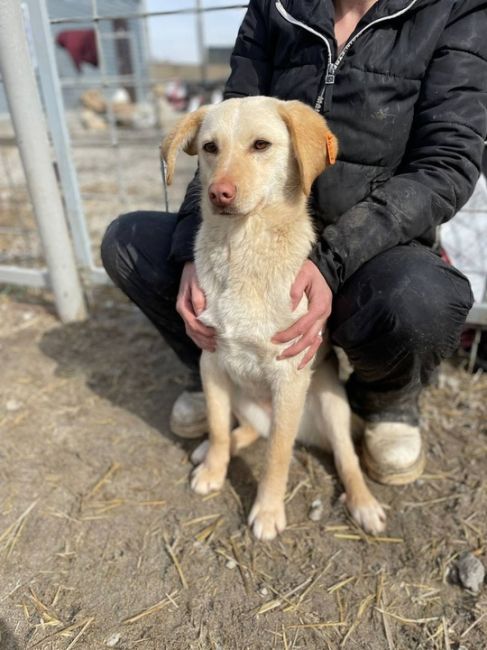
[(210, 147), (261, 145)]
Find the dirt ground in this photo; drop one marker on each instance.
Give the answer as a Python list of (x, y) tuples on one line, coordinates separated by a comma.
[(102, 543)]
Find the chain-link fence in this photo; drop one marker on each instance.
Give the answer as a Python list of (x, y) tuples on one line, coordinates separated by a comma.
[(20, 246)]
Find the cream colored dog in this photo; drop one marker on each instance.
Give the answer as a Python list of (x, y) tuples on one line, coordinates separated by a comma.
[(258, 158)]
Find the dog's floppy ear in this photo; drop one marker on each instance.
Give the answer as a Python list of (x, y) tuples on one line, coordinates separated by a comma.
[(314, 144), (183, 136)]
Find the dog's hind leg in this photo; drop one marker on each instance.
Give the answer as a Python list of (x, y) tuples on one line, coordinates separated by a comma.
[(254, 420), (268, 516), (242, 436), (210, 474), (328, 399)]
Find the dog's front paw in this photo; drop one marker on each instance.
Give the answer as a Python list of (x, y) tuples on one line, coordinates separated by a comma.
[(267, 519), (206, 479), (367, 512)]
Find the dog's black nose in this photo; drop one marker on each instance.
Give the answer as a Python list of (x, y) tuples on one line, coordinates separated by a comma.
[(222, 193)]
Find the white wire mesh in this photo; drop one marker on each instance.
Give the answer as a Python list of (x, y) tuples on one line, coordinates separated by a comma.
[(465, 240), (19, 239)]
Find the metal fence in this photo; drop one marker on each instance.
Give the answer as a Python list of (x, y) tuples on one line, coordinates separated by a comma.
[(105, 149)]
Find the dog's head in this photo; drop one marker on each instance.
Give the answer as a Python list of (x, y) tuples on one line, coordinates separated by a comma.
[(253, 152)]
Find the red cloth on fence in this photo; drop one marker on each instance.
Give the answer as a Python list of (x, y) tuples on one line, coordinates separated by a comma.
[(81, 45)]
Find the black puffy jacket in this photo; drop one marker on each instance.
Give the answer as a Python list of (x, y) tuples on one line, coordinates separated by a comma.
[(407, 99)]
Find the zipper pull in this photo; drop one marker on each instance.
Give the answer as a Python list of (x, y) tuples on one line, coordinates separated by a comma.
[(324, 98), (328, 89), (330, 73)]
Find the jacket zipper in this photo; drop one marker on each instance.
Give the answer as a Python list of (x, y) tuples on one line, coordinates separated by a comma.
[(323, 101)]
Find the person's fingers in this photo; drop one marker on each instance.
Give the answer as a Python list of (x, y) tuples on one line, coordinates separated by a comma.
[(301, 326), (202, 342), (190, 303), (298, 346), (181, 301), (184, 307), (297, 289), (317, 309), (317, 303), (197, 327), (312, 350), (302, 343), (197, 298), (198, 332)]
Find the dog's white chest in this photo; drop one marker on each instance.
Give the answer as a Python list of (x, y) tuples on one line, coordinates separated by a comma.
[(245, 323), (244, 333), (246, 274)]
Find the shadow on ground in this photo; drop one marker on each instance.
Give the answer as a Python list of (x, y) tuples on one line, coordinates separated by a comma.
[(122, 359), (7, 641)]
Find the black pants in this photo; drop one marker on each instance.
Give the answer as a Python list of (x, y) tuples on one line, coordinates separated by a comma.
[(396, 318)]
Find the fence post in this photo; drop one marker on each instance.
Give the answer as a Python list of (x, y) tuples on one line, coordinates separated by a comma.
[(32, 139), (54, 106), (200, 39)]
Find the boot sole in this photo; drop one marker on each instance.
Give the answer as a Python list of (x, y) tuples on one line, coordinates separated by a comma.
[(391, 477), (189, 431)]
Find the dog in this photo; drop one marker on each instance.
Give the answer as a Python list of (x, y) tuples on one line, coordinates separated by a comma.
[(258, 157)]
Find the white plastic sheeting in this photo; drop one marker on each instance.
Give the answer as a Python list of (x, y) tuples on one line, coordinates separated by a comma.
[(464, 239)]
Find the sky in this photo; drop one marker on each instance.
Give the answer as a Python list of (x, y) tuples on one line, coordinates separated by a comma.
[(173, 38)]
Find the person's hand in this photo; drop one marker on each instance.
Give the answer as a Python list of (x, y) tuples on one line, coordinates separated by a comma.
[(190, 304), (310, 326)]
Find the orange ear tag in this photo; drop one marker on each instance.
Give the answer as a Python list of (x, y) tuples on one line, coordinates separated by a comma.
[(331, 148)]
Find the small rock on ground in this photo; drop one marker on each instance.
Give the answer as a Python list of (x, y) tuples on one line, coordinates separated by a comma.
[(470, 571), (316, 510), (113, 640)]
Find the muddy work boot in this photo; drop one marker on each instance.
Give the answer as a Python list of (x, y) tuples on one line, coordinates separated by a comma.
[(393, 452), (188, 415)]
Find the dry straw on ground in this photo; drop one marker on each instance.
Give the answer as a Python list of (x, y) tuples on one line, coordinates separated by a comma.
[(103, 544)]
